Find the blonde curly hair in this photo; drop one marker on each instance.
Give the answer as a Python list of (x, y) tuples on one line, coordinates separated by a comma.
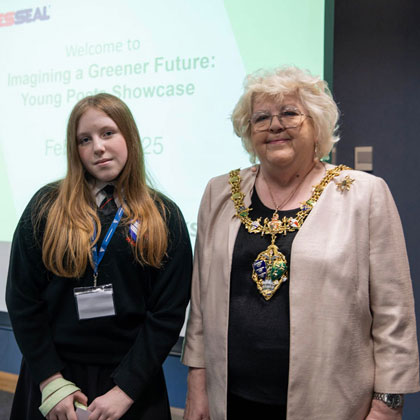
[(312, 92)]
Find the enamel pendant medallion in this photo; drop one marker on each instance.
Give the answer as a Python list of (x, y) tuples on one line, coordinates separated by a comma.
[(269, 271)]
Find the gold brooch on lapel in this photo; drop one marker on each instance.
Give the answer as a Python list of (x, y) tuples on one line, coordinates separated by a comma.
[(345, 184)]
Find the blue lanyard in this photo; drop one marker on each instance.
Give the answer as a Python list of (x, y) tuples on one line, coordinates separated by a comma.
[(97, 256)]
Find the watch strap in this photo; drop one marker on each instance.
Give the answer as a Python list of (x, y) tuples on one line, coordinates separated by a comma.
[(391, 400)]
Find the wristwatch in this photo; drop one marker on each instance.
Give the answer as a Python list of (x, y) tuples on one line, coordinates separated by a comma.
[(391, 400)]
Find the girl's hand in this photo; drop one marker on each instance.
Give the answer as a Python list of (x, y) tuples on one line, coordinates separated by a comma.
[(65, 410), (110, 406)]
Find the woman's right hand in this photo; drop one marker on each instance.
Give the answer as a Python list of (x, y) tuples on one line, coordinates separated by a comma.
[(197, 404)]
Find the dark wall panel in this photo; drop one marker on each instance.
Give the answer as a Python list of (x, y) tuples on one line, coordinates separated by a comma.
[(377, 86)]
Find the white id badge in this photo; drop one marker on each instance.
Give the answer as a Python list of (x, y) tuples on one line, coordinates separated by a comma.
[(94, 302)]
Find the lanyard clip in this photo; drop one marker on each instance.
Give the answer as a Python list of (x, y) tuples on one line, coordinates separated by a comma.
[(95, 277)]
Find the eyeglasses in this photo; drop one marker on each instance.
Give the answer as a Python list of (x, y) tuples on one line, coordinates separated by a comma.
[(289, 118)]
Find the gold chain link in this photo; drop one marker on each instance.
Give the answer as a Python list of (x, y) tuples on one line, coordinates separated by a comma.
[(275, 226)]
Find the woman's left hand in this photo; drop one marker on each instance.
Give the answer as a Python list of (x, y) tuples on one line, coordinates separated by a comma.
[(380, 411), (110, 406)]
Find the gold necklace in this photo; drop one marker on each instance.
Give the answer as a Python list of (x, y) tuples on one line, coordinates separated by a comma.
[(269, 269), (291, 195)]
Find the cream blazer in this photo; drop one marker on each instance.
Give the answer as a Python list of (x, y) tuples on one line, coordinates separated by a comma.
[(352, 322)]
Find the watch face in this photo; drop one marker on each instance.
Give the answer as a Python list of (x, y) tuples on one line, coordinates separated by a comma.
[(393, 400)]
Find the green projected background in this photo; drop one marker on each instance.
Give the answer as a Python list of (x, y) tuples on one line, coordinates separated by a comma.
[(178, 65)]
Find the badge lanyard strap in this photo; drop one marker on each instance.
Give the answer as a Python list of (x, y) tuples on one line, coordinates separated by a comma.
[(97, 256)]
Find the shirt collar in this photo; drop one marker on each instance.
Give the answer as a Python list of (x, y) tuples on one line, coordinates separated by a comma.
[(97, 193)]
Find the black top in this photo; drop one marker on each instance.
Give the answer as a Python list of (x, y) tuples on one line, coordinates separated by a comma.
[(258, 337), (150, 305)]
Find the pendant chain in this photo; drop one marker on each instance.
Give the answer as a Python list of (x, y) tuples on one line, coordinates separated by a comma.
[(291, 195)]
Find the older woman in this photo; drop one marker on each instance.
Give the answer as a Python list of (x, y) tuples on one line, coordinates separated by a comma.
[(302, 303)]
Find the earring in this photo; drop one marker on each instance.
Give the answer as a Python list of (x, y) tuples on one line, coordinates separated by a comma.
[(316, 150)]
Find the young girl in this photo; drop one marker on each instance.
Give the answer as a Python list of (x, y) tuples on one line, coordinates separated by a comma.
[(99, 279)]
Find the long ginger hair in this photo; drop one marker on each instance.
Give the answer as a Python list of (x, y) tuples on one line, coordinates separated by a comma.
[(71, 210)]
